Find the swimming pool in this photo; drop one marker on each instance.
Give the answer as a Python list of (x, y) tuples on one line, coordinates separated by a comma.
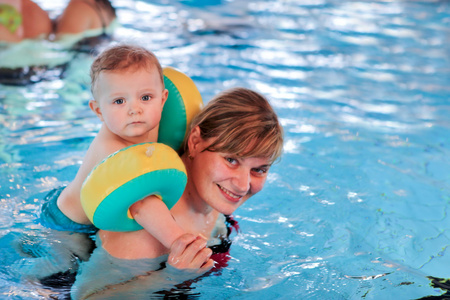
[(357, 207)]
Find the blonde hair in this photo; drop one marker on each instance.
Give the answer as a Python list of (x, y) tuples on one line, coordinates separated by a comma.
[(241, 122), (123, 57)]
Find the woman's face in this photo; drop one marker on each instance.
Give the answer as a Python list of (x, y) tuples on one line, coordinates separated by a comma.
[(224, 181)]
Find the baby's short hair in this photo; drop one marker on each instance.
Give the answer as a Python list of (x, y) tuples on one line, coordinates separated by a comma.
[(123, 57)]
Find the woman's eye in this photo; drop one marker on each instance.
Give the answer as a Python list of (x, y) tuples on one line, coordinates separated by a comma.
[(231, 160), (146, 98), (260, 171), (119, 101)]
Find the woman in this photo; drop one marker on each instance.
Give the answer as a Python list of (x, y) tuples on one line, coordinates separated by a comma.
[(231, 145)]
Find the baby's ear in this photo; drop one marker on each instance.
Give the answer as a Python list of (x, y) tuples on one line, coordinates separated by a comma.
[(165, 94), (96, 109)]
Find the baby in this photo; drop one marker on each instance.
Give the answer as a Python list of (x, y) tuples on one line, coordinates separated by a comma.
[(129, 96)]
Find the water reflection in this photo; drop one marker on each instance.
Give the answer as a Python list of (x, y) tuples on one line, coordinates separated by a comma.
[(356, 208)]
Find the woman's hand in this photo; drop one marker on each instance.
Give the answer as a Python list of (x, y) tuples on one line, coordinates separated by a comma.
[(190, 252)]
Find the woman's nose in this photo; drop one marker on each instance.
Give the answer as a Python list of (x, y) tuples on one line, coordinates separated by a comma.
[(242, 181)]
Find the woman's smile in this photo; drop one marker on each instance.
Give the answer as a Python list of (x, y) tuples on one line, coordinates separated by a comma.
[(229, 195)]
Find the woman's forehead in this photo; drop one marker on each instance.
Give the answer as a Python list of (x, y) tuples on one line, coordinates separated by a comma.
[(251, 149)]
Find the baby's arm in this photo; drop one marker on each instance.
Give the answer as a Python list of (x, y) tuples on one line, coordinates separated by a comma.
[(69, 201), (152, 214)]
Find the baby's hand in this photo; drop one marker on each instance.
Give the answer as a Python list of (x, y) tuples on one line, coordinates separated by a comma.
[(190, 252)]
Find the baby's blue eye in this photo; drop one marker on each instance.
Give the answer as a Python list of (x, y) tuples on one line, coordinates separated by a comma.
[(145, 98), (119, 101)]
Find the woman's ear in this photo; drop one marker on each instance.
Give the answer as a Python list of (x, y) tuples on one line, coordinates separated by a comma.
[(96, 109), (195, 142)]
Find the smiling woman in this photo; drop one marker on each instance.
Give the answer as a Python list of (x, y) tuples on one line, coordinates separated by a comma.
[(237, 133), (232, 143)]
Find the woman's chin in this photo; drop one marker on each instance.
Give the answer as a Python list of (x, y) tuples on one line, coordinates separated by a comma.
[(227, 208)]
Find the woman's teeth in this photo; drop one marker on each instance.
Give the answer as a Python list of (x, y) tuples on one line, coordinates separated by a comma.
[(229, 193)]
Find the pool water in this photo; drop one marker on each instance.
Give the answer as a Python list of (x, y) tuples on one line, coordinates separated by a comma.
[(358, 206)]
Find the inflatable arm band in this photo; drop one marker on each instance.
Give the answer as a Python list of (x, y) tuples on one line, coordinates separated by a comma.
[(183, 103), (127, 176)]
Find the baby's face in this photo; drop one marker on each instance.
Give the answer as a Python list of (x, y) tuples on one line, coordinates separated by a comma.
[(130, 101)]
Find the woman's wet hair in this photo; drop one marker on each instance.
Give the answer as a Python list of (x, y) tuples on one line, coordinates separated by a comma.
[(242, 122)]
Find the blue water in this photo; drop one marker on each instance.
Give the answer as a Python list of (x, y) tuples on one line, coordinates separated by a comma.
[(356, 208)]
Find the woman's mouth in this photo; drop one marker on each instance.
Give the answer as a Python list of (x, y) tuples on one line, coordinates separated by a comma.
[(230, 195)]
